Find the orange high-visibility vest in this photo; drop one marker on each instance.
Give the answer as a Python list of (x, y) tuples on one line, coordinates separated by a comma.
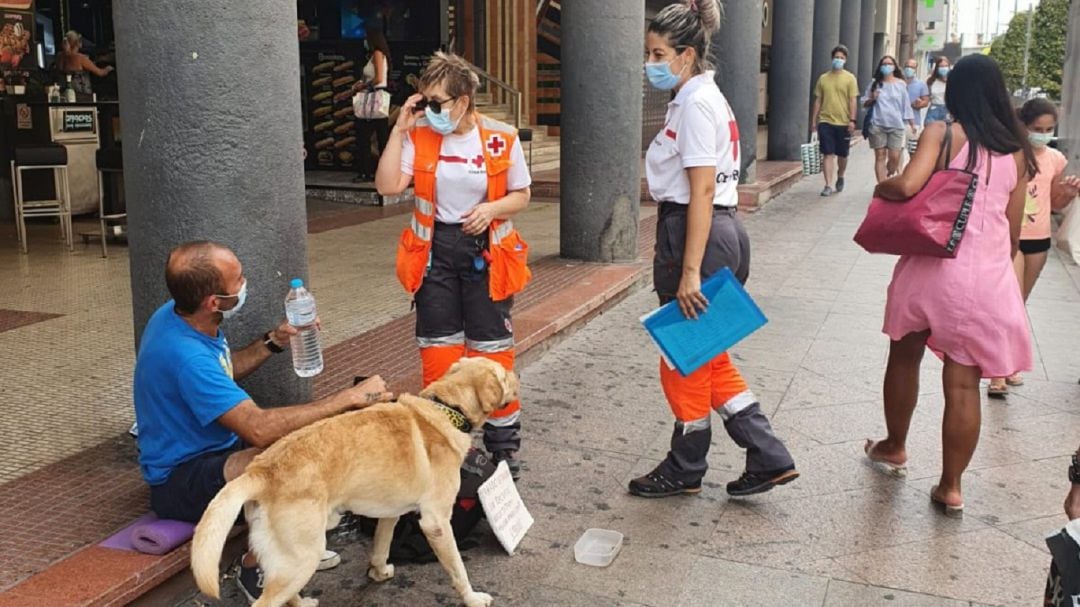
[(508, 253)]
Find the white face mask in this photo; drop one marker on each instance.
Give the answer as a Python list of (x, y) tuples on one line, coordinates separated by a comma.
[(241, 297)]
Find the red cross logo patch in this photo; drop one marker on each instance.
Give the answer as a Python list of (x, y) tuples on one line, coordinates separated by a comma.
[(478, 161), (496, 144)]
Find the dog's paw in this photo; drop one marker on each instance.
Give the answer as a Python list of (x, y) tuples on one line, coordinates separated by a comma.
[(478, 599), (308, 602), (381, 574)]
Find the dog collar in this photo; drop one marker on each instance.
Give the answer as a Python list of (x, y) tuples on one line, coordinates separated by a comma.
[(455, 416)]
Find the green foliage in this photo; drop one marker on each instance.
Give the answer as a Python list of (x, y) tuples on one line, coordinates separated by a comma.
[(1048, 37)]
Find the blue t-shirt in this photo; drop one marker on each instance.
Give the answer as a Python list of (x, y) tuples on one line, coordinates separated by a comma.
[(183, 384), (915, 89)]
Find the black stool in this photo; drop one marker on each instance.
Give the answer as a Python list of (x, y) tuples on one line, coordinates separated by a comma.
[(53, 157), (109, 160)]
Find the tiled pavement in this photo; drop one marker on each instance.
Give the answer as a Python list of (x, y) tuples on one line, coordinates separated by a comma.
[(36, 509), (843, 534)]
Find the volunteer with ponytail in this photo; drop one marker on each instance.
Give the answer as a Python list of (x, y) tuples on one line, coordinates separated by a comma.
[(693, 171), (460, 258)]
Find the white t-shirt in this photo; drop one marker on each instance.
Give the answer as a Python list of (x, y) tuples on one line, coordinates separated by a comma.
[(461, 175), (700, 131), (369, 71), (937, 92)]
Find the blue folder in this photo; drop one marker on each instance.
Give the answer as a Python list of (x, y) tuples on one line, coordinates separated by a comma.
[(688, 344)]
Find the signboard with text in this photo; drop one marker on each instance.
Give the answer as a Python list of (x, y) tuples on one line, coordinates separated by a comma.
[(78, 121)]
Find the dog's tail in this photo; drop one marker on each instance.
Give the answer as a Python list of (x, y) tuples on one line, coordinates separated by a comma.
[(214, 528)]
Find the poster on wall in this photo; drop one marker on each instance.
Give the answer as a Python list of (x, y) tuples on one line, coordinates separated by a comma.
[(330, 125), (16, 30)]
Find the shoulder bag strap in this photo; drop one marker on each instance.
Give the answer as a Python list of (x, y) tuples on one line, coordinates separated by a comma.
[(945, 155)]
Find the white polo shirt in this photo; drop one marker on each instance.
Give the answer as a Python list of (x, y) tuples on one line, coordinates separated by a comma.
[(461, 177), (700, 130)]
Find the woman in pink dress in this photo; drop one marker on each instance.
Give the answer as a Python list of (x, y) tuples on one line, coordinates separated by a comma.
[(967, 310)]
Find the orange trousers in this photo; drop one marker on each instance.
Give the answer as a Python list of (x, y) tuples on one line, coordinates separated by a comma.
[(714, 386), (437, 360)]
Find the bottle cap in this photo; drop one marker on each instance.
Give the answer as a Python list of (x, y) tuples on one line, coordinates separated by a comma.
[(296, 283)]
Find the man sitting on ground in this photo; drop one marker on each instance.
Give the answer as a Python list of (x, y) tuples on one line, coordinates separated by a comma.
[(198, 429)]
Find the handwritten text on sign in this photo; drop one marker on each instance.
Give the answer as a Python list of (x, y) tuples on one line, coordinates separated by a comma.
[(504, 509)]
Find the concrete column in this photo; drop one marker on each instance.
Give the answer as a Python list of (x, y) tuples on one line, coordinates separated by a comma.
[(789, 77), (826, 36), (850, 33), (736, 52), (867, 60), (602, 76), (213, 150), (1070, 92)]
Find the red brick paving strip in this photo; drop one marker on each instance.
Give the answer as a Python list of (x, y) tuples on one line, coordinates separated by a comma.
[(54, 512), (13, 319)]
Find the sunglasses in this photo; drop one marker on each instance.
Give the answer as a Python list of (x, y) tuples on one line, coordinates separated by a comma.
[(434, 104)]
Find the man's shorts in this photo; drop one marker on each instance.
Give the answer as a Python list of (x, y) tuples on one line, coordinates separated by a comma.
[(881, 137), (191, 486), (834, 140)]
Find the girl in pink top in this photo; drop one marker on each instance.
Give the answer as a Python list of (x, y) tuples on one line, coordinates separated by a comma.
[(1050, 189), (968, 310)]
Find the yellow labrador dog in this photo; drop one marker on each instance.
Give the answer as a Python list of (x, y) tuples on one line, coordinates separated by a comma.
[(381, 462)]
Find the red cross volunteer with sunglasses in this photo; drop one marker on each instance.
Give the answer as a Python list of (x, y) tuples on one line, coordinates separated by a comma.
[(460, 257)]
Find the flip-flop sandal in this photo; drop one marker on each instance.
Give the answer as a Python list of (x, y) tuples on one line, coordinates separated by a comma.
[(1014, 380), (998, 392), (887, 467), (947, 509)]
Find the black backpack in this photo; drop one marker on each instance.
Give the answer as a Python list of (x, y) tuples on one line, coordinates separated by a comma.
[(411, 546)]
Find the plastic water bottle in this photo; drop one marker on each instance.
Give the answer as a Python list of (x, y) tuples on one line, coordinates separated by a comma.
[(300, 311)]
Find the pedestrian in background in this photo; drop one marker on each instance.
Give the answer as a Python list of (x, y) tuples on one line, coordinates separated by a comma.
[(938, 83), (918, 91), (969, 309), (1050, 190), (692, 168), (835, 100), (375, 74), (887, 97)]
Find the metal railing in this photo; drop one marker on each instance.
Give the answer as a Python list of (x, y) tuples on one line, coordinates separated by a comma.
[(515, 94)]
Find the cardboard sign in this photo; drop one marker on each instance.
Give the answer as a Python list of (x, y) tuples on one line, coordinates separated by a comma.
[(504, 509)]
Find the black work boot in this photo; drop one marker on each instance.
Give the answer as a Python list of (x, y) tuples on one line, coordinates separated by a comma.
[(768, 462), (503, 443), (683, 468)]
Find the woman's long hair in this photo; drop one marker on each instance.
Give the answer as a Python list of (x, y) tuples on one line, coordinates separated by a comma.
[(376, 40), (978, 100), (879, 77), (934, 74)]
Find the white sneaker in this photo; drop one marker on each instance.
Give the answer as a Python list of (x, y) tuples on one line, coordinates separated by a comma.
[(330, 559)]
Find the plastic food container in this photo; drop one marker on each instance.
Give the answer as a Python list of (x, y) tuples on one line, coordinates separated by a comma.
[(598, 547)]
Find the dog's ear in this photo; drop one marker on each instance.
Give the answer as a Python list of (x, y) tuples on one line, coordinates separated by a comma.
[(489, 390)]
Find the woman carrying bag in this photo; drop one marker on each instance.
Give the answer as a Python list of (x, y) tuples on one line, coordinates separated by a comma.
[(375, 74), (967, 309)]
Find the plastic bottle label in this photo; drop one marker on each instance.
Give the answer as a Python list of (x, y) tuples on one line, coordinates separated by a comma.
[(301, 313)]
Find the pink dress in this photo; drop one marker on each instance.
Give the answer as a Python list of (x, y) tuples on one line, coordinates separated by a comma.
[(971, 304)]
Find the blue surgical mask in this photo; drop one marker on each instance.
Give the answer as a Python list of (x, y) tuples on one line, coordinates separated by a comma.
[(943, 72), (887, 69), (441, 122), (838, 63), (909, 72), (1040, 140), (661, 76), (241, 297)]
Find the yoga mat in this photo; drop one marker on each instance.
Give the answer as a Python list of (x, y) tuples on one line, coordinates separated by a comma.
[(161, 536), (150, 535)]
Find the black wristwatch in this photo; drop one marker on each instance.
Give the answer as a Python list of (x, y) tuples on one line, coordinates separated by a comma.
[(270, 345), (1074, 471)]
